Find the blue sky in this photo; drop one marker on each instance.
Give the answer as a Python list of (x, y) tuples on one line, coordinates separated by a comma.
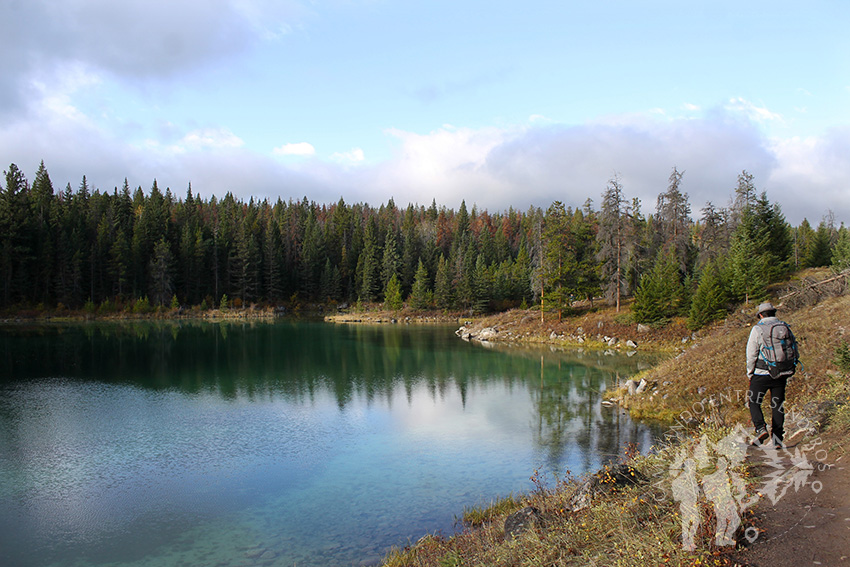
[(499, 104)]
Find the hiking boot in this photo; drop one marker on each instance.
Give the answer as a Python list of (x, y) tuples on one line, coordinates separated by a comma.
[(777, 444), (761, 436)]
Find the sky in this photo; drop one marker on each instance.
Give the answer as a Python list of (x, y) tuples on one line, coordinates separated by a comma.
[(498, 104)]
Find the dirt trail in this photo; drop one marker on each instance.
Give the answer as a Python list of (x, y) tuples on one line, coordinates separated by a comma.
[(804, 527)]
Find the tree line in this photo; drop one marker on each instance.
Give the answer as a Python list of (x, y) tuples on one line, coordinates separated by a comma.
[(93, 249)]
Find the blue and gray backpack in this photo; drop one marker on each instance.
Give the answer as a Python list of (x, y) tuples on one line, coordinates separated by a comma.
[(779, 354)]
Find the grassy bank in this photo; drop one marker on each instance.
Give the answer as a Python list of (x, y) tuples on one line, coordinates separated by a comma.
[(635, 521)]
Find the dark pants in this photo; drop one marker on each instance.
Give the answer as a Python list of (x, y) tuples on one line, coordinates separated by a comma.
[(759, 385)]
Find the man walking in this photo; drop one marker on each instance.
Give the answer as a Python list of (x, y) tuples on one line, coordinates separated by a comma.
[(762, 352)]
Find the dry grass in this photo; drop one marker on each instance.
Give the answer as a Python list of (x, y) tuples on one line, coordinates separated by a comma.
[(711, 373), (626, 525)]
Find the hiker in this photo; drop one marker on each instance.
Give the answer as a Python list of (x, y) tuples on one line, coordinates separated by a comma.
[(765, 374)]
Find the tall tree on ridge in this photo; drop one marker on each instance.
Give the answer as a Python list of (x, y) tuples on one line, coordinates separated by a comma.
[(673, 215), (615, 241)]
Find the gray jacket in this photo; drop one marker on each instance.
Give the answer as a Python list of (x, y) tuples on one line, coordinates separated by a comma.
[(754, 345)]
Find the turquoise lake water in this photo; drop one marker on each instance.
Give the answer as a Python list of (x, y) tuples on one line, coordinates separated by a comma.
[(286, 443)]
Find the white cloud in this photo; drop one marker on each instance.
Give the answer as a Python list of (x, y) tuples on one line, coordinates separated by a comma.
[(130, 39), (354, 155), (756, 113), (495, 168), (296, 149), (210, 138), (812, 175)]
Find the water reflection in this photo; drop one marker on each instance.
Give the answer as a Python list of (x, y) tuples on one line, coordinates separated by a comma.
[(345, 439)]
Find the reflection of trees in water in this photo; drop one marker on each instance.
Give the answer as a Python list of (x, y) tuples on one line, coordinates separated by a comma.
[(302, 361), (569, 413)]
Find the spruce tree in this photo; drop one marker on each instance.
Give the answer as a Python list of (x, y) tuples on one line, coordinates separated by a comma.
[(841, 251), (820, 252), (161, 278), (418, 299), (710, 299), (392, 294), (443, 289), (658, 296)]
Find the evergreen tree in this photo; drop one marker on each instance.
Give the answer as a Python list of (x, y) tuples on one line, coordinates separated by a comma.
[(820, 251), (713, 235), (482, 286), (559, 263), (418, 299), (443, 289), (804, 238), (246, 263), (43, 249), (748, 263), (658, 297), (272, 260), (615, 242), (841, 251), (761, 248), (161, 278), (370, 268), (330, 284), (585, 278), (15, 251), (391, 262), (710, 299), (392, 294), (674, 223)]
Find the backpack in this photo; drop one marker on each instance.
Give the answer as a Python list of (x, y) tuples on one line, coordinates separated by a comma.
[(779, 354)]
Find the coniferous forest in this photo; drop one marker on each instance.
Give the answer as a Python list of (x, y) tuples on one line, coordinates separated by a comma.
[(131, 249)]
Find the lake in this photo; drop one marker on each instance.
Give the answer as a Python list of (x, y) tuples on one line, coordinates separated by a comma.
[(285, 443)]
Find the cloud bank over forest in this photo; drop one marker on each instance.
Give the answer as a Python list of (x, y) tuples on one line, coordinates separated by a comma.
[(72, 62)]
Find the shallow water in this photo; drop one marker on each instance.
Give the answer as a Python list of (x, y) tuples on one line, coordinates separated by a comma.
[(277, 444)]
